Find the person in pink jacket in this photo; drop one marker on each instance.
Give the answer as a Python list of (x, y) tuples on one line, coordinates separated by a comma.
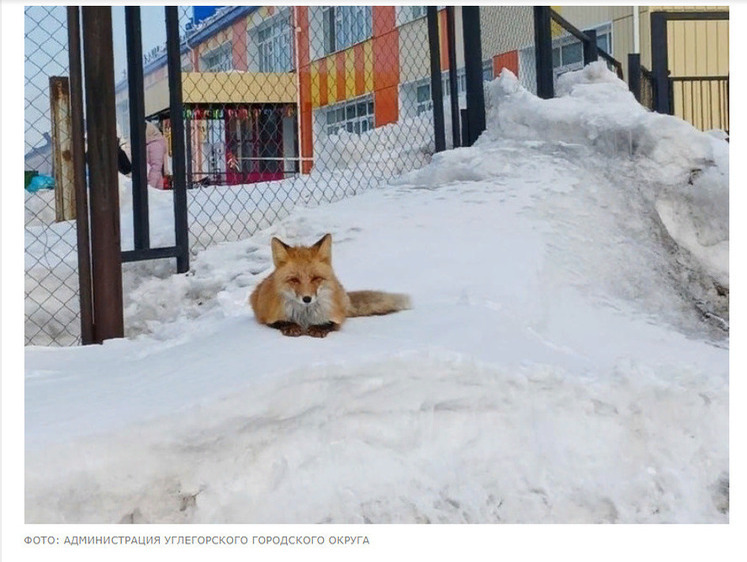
[(156, 150)]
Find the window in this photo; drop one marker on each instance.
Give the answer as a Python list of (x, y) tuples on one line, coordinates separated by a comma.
[(356, 116), (568, 52), (407, 14), (422, 88), (344, 26), (218, 59), (487, 71), (603, 43), (417, 12), (423, 98), (572, 53), (274, 45), (186, 62)]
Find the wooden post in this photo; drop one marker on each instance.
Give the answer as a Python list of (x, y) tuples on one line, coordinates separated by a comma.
[(98, 57), (85, 289), (62, 154)]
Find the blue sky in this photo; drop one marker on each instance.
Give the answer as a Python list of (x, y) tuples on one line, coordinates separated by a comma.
[(46, 54)]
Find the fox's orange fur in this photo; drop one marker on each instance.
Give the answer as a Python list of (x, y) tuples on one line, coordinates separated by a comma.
[(303, 296)]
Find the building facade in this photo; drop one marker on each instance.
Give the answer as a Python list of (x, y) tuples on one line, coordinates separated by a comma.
[(263, 85)]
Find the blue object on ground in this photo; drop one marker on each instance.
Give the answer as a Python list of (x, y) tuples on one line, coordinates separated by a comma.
[(40, 182)]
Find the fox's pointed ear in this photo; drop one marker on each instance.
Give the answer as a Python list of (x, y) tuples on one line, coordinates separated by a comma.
[(324, 248), (279, 252)]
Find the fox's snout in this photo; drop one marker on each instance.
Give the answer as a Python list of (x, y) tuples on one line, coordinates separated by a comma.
[(306, 299)]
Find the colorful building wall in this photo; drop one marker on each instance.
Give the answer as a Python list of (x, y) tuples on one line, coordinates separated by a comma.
[(368, 67)]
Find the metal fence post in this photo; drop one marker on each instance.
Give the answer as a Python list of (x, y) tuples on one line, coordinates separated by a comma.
[(98, 57), (140, 219), (591, 53), (660, 62), (453, 86), (176, 113), (437, 95), (634, 74), (87, 335), (543, 52), (473, 73)]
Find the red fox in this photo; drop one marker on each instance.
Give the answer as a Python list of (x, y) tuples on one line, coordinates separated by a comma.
[(303, 296)]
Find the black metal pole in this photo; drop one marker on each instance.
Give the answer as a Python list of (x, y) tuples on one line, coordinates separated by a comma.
[(634, 74), (437, 95), (473, 73), (660, 61), (591, 53), (87, 335), (543, 52), (453, 84), (141, 222), (98, 57), (176, 114)]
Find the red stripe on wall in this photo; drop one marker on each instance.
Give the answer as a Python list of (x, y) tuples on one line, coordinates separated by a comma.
[(238, 40), (385, 48), (442, 40), (386, 106), (304, 79), (384, 19), (386, 65), (509, 60)]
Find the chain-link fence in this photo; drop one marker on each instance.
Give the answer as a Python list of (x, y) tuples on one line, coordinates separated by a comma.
[(283, 106), (51, 278), (507, 34), (289, 105)]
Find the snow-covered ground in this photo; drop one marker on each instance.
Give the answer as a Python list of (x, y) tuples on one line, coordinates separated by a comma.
[(566, 358)]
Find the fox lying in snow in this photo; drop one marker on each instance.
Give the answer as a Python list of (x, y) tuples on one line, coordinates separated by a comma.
[(303, 296)]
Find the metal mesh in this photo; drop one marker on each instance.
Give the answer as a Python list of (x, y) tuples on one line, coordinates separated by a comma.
[(648, 89), (288, 106), (51, 280), (283, 106), (507, 34)]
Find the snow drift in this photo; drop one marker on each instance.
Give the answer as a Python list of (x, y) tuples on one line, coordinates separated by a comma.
[(559, 363), (682, 172)]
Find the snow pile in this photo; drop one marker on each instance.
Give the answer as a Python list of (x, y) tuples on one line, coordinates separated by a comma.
[(421, 437), (384, 152), (595, 108), (681, 173), (555, 366)]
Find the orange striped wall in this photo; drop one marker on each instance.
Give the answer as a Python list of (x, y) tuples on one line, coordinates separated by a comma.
[(365, 68), (304, 83), (386, 65)]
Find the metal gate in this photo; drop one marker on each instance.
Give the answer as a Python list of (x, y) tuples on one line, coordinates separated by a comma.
[(690, 66)]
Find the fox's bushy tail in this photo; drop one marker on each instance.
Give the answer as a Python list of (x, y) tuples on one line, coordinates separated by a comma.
[(372, 303)]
